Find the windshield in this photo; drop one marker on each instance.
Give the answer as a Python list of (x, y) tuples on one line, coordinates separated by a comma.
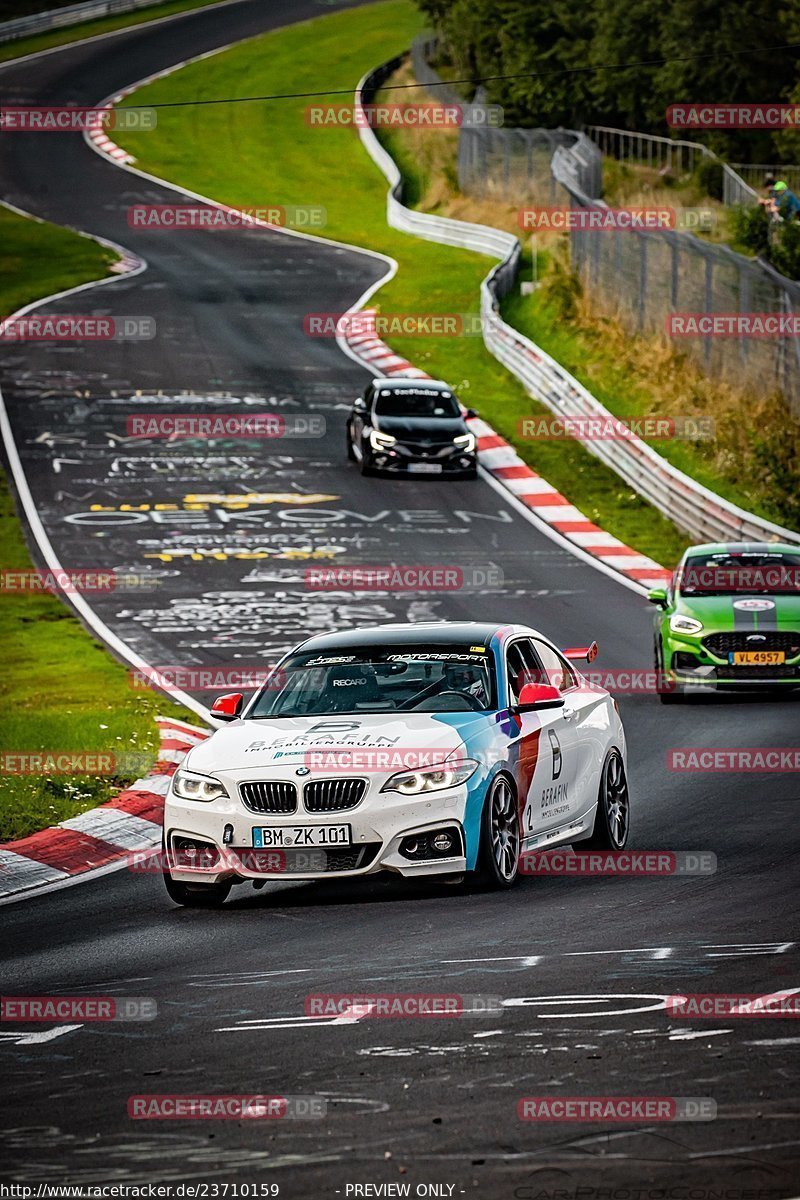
[(445, 678), (412, 403), (734, 574)]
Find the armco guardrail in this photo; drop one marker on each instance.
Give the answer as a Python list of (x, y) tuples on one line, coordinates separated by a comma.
[(696, 510), (60, 18)]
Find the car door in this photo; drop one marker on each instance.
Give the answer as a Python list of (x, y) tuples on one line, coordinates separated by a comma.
[(544, 754), (585, 716)]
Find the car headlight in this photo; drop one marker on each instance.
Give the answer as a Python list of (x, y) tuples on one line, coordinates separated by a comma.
[(465, 442), (381, 441), (431, 779), (680, 624), (190, 786)]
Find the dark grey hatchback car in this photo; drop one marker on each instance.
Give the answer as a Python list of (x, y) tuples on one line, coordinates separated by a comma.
[(407, 426)]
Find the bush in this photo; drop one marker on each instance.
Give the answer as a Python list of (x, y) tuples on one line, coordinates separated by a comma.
[(709, 177), (752, 229), (561, 290), (784, 252)]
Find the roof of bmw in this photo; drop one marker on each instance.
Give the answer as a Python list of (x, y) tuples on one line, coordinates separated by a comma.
[(435, 633)]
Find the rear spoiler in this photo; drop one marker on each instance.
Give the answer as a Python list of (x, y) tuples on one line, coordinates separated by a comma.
[(586, 653)]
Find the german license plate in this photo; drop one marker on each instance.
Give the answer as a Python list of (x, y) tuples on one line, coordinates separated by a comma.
[(757, 658), (265, 837), (425, 468)]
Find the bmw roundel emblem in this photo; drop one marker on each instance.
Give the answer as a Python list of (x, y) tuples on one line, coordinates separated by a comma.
[(303, 771)]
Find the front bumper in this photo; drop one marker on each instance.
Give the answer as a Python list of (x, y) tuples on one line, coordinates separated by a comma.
[(689, 663), (380, 830), (410, 460)]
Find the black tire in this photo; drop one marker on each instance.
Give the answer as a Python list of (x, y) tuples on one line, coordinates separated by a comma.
[(350, 453), (612, 819), (500, 845), (196, 895)]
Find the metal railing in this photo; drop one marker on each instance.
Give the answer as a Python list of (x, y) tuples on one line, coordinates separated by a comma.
[(696, 510), (659, 152), (73, 14), (669, 154), (754, 174)]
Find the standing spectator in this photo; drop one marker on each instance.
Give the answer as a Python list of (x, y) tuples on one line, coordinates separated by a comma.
[(786, 203)]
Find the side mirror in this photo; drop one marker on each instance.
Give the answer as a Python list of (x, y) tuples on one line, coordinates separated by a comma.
[(469, 414), (227, 708), (539, 695), (360, 404), (658, 596)]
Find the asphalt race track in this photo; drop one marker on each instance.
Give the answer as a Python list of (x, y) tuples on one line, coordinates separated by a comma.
[(222, 533)]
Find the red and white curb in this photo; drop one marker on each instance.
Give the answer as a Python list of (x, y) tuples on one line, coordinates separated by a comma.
[(100, 139), (104, 835), (501, 460)]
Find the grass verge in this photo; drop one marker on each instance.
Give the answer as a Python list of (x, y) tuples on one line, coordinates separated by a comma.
[(59, 688), (74, 33), (268, 153)]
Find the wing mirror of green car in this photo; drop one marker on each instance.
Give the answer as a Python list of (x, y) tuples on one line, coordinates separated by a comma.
[(658, 596)]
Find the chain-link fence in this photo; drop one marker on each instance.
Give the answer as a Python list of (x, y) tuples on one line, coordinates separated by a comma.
[(512, 164), (645, 278), (667, 281)]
